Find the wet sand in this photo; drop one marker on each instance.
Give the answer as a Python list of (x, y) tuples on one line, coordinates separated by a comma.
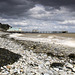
[(70, 35)]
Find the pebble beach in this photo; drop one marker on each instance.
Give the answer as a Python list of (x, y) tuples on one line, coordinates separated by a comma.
[(24, 58)]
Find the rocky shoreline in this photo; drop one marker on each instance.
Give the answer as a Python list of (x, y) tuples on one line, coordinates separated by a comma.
[(34, 61)]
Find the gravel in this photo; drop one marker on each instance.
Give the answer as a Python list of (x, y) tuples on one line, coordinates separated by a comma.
[(30, 63)]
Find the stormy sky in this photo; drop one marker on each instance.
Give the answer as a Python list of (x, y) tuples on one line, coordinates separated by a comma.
[(44, 15)]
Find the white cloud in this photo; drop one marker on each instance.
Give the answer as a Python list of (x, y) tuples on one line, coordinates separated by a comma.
[(39, 12), (68, 22), (1, 19), (22, 23)]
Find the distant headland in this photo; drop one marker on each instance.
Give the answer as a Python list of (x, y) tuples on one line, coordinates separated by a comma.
[(4, 27), (8, 28)]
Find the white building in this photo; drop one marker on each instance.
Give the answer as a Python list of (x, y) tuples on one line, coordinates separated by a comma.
[(14, 29)]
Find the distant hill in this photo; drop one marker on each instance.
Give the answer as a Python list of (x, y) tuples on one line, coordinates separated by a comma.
[(4, 27)]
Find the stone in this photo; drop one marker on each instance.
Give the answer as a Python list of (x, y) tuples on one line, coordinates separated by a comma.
[(11, 71), (50, 54), (68, 65), (32, 48), (18, 70), (6, 72), (73, 69), (21, 70), (60, 55), (56, 69), (57, 64), (69, 72), (62, 73), (50, 72), (36, 67), (2, 68), (47, 63), (46, 74), (9, 67), (71, 55)]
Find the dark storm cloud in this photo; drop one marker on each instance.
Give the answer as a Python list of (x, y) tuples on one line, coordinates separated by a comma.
[(14, 7), (18, 7), (43, 14), (56, 3)]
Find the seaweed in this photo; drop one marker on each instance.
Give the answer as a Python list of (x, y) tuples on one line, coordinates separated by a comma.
[(8, 57)]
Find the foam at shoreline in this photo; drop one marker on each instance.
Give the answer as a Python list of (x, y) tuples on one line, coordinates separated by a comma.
[(50, 39)]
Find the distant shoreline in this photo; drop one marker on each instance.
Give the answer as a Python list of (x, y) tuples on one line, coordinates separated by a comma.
[(39, 32)]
